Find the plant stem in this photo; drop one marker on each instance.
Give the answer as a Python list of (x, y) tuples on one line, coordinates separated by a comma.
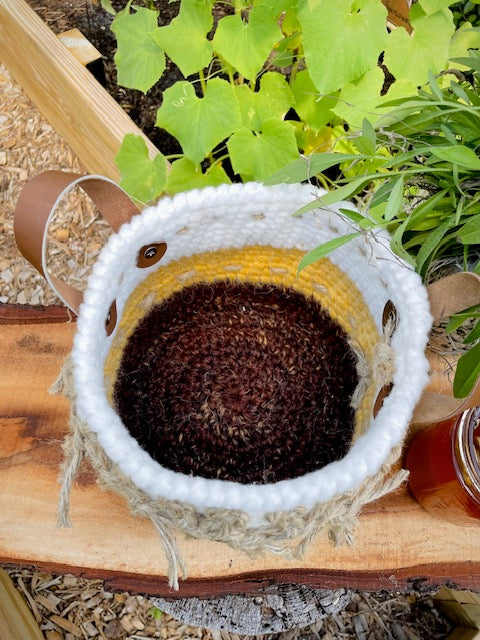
[(203, 84)]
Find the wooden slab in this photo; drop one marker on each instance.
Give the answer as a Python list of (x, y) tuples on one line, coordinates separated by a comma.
[(398, 545)]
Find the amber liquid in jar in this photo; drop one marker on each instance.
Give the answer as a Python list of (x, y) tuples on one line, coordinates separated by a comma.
[(444, 465)]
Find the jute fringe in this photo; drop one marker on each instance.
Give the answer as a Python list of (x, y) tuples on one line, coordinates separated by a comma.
[(286, 533)]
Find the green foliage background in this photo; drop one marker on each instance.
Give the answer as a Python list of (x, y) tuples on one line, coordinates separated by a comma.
[(271, 80)]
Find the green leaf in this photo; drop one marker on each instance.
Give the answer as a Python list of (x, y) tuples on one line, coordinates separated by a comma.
[(337, 49), (467, 372), (470, 232), (107, 6), (157, 614), (432, 6), (395, 199), (432, 244), (457, 319), (361, 221), (142, 178), (307, 167), (465, 38), (412, 56), (272, 100), (185, 38), (247, 45), (470, 63), (366, 143), (199, 124), (336, 195), (185, 175), (312, 108), (325, 249), (139, 59), (359, 99), (458, 154), (434, 88), (474, 334), (258, 155)]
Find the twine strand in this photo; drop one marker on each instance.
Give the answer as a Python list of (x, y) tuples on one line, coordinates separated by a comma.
[(74, 452)]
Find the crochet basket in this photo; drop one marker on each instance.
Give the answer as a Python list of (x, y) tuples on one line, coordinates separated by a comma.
[(238, 235)]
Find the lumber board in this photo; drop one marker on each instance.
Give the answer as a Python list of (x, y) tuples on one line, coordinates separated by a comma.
[(79, 46), (63, 90), (16, 619), (398, 544)]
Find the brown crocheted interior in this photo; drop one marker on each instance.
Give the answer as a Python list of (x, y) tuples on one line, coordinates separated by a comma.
[(243, 382)]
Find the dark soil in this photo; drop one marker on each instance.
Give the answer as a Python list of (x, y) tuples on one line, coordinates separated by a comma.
[(240, 382)]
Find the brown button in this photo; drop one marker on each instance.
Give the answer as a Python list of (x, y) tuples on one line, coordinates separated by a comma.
[(150, 254), (382, 394), (111, 319), (390, 313)]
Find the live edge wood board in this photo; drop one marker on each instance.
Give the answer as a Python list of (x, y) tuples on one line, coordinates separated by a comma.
[(398, 545)]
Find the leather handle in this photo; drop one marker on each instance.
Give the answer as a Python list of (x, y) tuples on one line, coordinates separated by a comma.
[(449, 295), (37, 205)]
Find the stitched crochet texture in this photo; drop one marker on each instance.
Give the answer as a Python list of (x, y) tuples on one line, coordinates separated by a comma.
[(247, 234)]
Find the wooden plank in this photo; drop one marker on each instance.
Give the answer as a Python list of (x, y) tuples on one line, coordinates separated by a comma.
[(454, 595), (463, 633), (398, 544), (16, 619), (79, 46), (66, 93), (463, 607)]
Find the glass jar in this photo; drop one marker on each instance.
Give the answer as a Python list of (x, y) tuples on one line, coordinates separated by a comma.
[(444, 465)]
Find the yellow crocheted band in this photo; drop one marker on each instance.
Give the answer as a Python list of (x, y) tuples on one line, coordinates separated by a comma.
[(323, 280)]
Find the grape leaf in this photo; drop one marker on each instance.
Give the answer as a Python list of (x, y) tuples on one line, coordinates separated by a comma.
[(199, 124), (432, 6), (412, 56), (247, 45), (337, 50), (312, 108), (359, 99), (142, 178), (258, 155), (273, 99), (464, 38), (185, 38), (107, 6), (139, 59), (185, 175)]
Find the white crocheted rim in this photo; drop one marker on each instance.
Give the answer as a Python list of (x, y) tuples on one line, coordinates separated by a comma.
[(228, 216)]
